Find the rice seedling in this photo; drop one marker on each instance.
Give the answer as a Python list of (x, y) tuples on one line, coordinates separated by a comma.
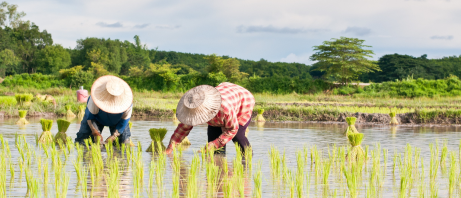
[(113, 178), (22, 117), (356, 152), (227, 181), (238, 172), (350, 125), (96, 158), (61, 136), (259, 117), (443, 155), (160, 170), (46, 136), (299, 173), (351, 174), (248, 155), (453, 173), (33, 188), (138, 174), (61, 183), (81, 112), (393, 119), (275, 162), (69, 113), (434, 165), (257, 178), (3, 174), (157, 136)]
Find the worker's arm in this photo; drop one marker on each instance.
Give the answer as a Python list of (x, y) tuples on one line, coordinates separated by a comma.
[(93, 110), (229, 130), (94, 130), (179, 134), (121, 125)]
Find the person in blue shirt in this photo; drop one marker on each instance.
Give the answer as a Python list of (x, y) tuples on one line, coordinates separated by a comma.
[(110, 104)]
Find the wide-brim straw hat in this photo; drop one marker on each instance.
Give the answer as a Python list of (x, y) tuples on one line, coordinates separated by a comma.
[(111, 94), (199, 105)]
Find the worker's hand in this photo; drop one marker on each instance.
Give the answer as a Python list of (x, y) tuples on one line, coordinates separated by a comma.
[(168, 151), (112, 137), (208, 147)]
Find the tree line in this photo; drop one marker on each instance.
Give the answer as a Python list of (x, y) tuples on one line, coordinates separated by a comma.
[(24, 48)]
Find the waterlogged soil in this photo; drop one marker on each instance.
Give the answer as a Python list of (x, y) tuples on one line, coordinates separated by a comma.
[(286, 137)]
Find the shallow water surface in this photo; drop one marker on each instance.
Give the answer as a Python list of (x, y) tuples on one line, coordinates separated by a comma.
[(286, 137)]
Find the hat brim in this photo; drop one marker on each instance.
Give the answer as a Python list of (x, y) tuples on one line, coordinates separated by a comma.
[(109, 103), (205, 112)]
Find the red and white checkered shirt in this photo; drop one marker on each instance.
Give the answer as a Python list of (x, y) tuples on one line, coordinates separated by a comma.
[(236, 109)]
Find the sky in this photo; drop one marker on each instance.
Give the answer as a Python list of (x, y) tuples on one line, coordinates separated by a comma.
[(284, 31)]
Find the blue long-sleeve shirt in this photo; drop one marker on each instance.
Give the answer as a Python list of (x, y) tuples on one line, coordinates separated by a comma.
[(120, 120)]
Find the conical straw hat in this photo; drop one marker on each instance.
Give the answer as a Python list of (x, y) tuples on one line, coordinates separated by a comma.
[(111, 94), (198, 105)]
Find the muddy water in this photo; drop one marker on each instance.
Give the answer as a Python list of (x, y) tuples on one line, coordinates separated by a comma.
[(288, 137)]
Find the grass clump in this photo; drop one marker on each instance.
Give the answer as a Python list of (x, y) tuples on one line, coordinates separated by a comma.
[(69, 113), (81, 112), (259, 117), (157, 136), (63, 125), (24, 99), (22, 117), (351, 125), (46, 136), (393, 119), (356, 151)]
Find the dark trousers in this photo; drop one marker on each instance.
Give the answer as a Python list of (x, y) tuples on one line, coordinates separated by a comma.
[(240, 138), (85, 132)]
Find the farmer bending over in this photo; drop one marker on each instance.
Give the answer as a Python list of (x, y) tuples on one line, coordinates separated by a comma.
[(226, 109), (110, 104)]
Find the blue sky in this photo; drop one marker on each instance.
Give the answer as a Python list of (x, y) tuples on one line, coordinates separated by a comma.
[(254, 29)]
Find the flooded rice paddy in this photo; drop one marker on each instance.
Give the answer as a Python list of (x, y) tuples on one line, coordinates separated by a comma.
[(316, 144)]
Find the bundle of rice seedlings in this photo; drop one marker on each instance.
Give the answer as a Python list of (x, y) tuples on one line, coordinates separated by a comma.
[(185, 142), (393, 119), (356, 151), (259, 117), (351, 125), (246, 132), (174, 116), (24, 99), (63, 125), (22, 117), (81, 112), (157, 136), (46, 136), (69, 113)]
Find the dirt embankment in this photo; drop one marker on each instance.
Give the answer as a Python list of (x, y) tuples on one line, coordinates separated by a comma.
[(281, 115), (34, 114), (307, 104)]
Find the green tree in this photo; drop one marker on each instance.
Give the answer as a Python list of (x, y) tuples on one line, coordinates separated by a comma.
[(215, 63), (231, 70), (344, 59), (7, 61), (52, 58), (10, 16)]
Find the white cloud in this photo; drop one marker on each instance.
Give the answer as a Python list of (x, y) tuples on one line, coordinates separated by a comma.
[(254, 29), (110, 25), (293, 58)]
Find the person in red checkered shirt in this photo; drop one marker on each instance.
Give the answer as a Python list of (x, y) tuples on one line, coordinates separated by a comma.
[(226, 109)]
